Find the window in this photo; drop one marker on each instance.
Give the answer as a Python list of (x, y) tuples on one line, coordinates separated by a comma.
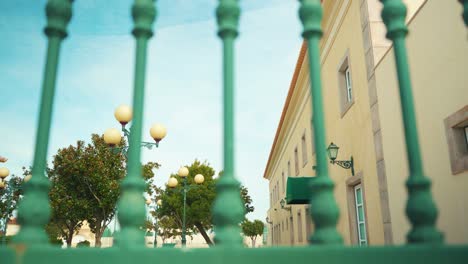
[(299, 227), (312, 142), (296, 161), (289, 168), (282, 226), (282, 179), (345, 84), (274, 235), (360, 216), (349, 95), (292, 230), (304, 150), (279, 234), (308, 223), (274, 194), (466, 135), (456, 130), (277, 191)]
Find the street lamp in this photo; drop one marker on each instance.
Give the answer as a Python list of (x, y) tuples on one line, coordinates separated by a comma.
[(155, 225), (172, 183), (123, 114), (112, 136), (9, 190), (332, 151)]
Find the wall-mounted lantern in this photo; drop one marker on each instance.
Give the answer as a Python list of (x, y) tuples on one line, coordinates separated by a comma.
[(332, 151), (283, 203)]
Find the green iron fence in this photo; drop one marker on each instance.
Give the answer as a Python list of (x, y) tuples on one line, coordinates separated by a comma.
[(425, 242)]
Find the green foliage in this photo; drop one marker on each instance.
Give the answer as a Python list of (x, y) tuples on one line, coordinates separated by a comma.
[(200, 199), (252, 229), (82, 244), (54, 233), (86, 186), (167, 228), (8, 239), (245, 197), (9, 197)]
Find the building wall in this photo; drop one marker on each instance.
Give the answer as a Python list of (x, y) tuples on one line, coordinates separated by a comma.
[(296, 124), (352, 132), (438, 53), (371, 128)]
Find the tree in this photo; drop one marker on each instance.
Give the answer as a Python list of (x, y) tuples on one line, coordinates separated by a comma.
[(86, 186), (200, 199), (252, 229), (9, 198)]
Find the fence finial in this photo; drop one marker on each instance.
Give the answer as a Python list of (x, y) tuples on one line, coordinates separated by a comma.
[(34, 209), (420, 207), (131, 205), (324, 209), (228, 210)]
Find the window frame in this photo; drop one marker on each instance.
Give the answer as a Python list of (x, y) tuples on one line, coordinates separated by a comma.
[(466, 135), (296, 161), (304, 149), (348, 85), (345, 84), (299, 227), (360, 222), (284, 182), (457, 140), (351, 183)]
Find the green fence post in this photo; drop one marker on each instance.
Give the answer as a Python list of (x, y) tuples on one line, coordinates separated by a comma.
[(34, 209), (131, 205), (324, 209), (228, 210), (420, 207), (465, 11)]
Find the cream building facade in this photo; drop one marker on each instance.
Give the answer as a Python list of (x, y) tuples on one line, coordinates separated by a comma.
[(363, 117)]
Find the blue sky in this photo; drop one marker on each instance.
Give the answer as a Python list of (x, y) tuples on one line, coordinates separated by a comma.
[(183, 87)]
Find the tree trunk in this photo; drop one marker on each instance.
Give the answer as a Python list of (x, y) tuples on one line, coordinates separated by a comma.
[(253, 241), (204, 234), (98, 235), (97, 241), (69, 236)]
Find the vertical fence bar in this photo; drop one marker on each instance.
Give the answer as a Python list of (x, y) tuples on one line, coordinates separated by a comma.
[(324, 209), (420, 207), (34, 209), (131, 204), (228, 210), (465, 11)]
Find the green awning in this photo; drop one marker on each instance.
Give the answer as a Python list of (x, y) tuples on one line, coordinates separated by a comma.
[(297, 190)]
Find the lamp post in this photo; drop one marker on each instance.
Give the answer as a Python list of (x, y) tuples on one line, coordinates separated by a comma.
[(155, 223), (9, 190), (123, 114), (332, 151), (172, 183)]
